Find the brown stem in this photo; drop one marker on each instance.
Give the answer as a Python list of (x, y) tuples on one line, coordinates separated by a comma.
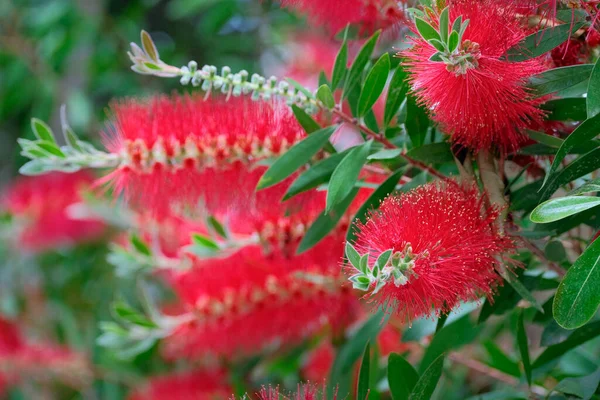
[(493, 185), (383, 140)]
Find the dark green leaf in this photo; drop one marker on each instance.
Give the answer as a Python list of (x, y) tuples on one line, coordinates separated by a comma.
[(548, 140), (562, 207), (325, 96), (426, 31), (359, 64), (577, 338), (128, 314), (349, 353), (560, 79), (588, 187), (522, 290), (346, 174), (553, 333), (315, 175), (339, 67), (524, 347), (453, 41), (41, 130), (570, 109), (593, 93), (500, 361), (325, 223), (417, 122), (582, 387), (374, 84), (364, 374), (217, 227), (444, 24), (402, 377), (425, 387), (541, 42), (555, 251), (452, 336), (295, 157), (307, 122), (373, 202), (434, 153), (396, 95), (578, 296), (585, 132)]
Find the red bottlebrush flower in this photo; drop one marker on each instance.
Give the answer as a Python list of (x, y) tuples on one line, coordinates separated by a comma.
[(572, 52), (477, 97), (369, 15), (41, 204), (175, 150), (444, 249), (194, 385), (305, 391), (21, 360), (249, 302)]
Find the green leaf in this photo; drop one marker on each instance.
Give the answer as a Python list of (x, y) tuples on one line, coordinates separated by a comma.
[(593, 93), (583, 387), (51, 148), (578, 296), (585, 132), (434, 153), (588, 187), (346, 174), (577, 338), (444, 23), (395, 95), (205, 241), (306, 121), (300, 88), (541, 42), (325, 96), (562, 207), (41, 130), (373, 202), (325, 223), (343, 365), (295, 157), (35, 167), (316, 175), (374, 84), (548, 140), (139, 245), (364, 374), (339, 67), (452, 336), (570, 109), (555, 251), (402, 377), (359, 64), (128, 314), (453, 41), (500, 361), (522, 290), (352, 255), (524, 347), (417, 122), (149, 47), (560, 79), (425, 386), (426, 31), (385, 154), (217, 227)]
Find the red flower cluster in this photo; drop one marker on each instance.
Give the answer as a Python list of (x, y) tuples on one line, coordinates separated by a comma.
[(447, 244), (369, 15), (41, 205), (24, 361), (249, 301), (480, 97), (196, 385), (306, 391), (178, 149)]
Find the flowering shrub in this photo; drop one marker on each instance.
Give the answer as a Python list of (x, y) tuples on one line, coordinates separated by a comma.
[(412, 215)]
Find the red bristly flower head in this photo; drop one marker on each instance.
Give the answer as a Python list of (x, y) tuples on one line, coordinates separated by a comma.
[(196, 385), (438, 246), (175, 150), (305, 391), (369, 15), (41, 204), (250, 301), (477, 95)]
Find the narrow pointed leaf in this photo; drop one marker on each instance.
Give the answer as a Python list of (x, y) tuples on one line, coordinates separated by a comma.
[(541, 42), (577, 338), (524, 347), (364, 375), (374, 84), (346, 175), (295, 157), (593, 93), (562, 207), (402, 377), (359, 64), (396, 95), (426, 384), (41, 130)]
